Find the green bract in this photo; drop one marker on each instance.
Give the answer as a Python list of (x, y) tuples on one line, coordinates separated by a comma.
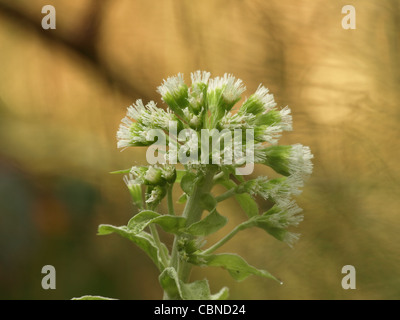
[(209, 104)]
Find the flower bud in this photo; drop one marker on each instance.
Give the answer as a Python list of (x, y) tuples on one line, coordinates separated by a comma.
[(287, 160), (222, 94), (154, 195), (135, 190), (168, 172), (259, 102), (174, 93)]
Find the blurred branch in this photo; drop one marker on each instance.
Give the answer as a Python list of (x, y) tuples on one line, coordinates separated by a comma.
[(83, 45)]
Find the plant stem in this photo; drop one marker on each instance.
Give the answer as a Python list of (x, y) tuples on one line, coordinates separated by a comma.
[(225, 239), (192, 213), (170, 202), (226, 195)]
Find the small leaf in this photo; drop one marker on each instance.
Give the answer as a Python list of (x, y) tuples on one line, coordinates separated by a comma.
[(246, 202), (179, 175), (171, 224), (182, 199), (121, 171), (237, 267), (210, 224), (141, 220), (188, 182), (93, 298), (143, 240), (169, 281), (222, 294), (197, 290), (208, 202)]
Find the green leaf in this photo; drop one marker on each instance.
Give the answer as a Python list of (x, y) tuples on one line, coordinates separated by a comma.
[(188, 181), (246, 202), (121, 171), (171, 224), (93, 298), (208, 202), (222, 294), (210, 224), (142, 239), (237, 267), (182, 199), (179, 175), (178, 290)]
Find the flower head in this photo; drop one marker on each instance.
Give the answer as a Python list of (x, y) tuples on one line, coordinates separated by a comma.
[(136, 133), (287, 160), (174, 93), (258, 103)]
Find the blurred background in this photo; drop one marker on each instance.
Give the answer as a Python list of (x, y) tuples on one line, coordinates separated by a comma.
[(63, 93)]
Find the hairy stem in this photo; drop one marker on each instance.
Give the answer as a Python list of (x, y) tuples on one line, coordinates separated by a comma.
[(225, 239), (192, 213), (226, 195), (170, 202)]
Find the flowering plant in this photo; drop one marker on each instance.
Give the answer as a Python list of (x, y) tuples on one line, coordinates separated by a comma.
[(238, 139)]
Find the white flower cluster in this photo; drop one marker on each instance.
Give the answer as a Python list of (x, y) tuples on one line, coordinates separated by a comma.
[(136, 133)]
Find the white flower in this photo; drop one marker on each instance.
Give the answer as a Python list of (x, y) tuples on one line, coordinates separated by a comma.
[(194, 120), (258, 103), (270, 134), (200, 77), (150, 115), (300, 160), (287, 160), (173, 85), (285, 119), (286, 215), (147, 117), (290, 238), (237, 121), (168, 172), (265, 98), (227, 86), (131, 133)]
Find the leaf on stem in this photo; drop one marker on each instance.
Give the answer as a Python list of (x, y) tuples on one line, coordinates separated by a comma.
[(121, 171), (188, 182), (179, 175), (210, 224), (142, 239), (237, 267), (208, 202), (198, 290), (171, 224), (182, 199)]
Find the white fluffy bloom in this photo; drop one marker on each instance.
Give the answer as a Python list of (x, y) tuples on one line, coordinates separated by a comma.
[(131, 133), (146, 117), (300, 160), (173, 85), (270, 134), (199, 77), (262, 94), (286, 119), (237, 121), (287, 215), (230, 87)]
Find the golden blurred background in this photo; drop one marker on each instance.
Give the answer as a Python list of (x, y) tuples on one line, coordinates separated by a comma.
[(63, 93)]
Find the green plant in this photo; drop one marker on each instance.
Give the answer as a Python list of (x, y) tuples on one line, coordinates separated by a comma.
[(252, 131)]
